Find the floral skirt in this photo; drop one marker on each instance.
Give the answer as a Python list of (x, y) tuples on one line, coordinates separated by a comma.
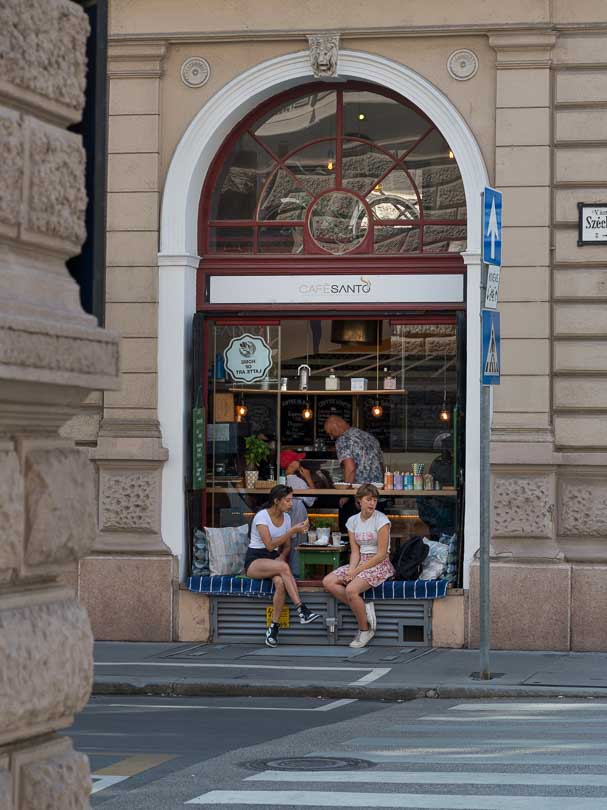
[(374, 576)]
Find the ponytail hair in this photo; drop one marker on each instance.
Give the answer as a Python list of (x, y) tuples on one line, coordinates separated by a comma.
[(277, 493)]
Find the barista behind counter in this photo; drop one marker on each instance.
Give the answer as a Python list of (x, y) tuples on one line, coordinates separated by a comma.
[(361, 458)]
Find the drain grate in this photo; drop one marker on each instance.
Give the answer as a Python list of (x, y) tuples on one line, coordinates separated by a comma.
[(309, 764)]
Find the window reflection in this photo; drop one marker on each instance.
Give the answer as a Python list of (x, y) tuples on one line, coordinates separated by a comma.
[(338, 222)]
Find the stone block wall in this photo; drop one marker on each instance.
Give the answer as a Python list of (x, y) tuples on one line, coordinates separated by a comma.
[(52, 355)]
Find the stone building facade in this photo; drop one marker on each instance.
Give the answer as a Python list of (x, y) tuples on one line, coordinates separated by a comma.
[(52, 356), (520, 90)]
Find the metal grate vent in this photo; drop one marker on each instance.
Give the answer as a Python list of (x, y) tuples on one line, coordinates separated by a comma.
[(406, 623)]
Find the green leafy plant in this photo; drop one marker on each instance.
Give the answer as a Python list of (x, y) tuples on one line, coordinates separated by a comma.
[(256, 451), (324, 523)]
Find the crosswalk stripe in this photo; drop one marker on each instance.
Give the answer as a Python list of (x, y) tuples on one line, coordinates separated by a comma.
[(488, 758), (310, 798), (512, 718), (433, 778), (589, 706)]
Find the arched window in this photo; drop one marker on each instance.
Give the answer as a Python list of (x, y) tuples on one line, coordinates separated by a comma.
[(330, 170)]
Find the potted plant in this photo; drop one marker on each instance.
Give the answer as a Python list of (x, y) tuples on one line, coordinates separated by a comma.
[(323, 527), (256, 451)]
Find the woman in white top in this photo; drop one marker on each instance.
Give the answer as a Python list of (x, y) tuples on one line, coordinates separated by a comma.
[(268, 552), (369, 565)]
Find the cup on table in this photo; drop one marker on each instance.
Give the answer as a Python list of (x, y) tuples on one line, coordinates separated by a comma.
[(336, 538), (312, 536)]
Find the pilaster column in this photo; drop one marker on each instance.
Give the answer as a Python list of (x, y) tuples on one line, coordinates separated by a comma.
[(52, 355)]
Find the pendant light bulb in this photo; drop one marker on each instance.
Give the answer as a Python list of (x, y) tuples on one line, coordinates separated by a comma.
[(444, 414), (241, 410), (307, 413), (377, 410)]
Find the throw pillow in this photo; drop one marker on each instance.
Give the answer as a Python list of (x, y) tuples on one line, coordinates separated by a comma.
[(227, 549), (200, 555), (435, 562)]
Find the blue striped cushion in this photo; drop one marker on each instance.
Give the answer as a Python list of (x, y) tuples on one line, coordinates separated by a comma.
[(263, 588)]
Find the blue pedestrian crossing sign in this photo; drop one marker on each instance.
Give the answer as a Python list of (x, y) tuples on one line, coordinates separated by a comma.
[(490, 330), (492, 226)]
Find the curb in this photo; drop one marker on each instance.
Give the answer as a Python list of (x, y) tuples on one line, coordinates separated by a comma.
[(195, 688)]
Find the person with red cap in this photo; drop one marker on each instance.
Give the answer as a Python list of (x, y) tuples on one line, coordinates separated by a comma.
[(298, 477)]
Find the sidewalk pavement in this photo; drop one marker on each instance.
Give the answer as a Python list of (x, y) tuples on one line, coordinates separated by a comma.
[(374, 673)]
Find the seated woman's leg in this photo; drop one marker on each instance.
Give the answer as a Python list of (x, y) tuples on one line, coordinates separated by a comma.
[(333, 585), (268, 569), (356, 602), (278, 602)]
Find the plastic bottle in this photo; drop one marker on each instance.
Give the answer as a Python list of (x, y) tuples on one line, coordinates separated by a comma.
[(282, 478), (388, 480), (398, 480)]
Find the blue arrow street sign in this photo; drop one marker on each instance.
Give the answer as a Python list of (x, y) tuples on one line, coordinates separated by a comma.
[(492, 226), (490, 364)]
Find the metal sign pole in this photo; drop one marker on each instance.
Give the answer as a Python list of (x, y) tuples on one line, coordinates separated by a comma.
[(485, 508), (485, 529)]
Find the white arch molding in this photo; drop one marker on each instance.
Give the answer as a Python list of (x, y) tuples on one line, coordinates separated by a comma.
[(178, 257)]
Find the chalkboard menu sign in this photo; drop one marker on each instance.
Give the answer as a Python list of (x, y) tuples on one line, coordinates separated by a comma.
[(294, 428), (407, 423), (332, 406), (261, 416)]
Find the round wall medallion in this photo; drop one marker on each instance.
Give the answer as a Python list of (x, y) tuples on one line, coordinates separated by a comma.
[(462, 64), (195, 71)]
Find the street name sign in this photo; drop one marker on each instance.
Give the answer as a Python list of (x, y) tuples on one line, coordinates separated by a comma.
[(491, 354), (493, 286), (492, 226), (592, 224)]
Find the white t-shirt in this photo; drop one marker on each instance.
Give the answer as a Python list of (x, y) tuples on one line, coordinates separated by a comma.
[(263, 519), (365, 531)]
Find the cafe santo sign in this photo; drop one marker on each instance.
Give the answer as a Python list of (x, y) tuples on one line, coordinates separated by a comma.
[(592, 224), (338, 289), (248, 358)]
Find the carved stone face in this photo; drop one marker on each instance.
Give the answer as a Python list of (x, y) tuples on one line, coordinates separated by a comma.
[(323, 54)]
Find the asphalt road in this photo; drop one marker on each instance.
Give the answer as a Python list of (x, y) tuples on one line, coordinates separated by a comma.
[(155, 754)]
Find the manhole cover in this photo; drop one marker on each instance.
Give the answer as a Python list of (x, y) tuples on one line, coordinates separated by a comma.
[(309, 764)]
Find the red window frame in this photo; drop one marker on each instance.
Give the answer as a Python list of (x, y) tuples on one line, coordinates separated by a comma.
[(311, 248)]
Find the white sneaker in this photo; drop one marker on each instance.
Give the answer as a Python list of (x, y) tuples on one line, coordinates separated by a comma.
[(362, 638), (371, 617)]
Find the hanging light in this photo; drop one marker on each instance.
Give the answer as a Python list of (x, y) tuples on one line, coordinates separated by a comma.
[(241, 410), (330, 160), (444, 414), (361, 116), (307, 412), (376, 409)]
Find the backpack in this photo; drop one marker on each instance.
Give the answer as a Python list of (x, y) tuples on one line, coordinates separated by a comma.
[(408, 559)]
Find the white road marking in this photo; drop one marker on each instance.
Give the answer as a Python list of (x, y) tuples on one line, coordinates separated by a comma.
[(325, 799), (588, 706), (373, 673), (401, 756), (336, 704), (513, 718), (103, 782), (429, 778)]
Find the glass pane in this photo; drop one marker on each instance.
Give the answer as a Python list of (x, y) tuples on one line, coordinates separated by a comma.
[(338, 222), (396, 239), (390, 124), (298, 121), (362, 165), (231, 240), (444, 238), (241, 180), (394, 198), (437, 178), (314, 166), (283, 198), (280, 240)]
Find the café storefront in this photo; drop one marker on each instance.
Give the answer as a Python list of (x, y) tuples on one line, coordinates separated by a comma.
[(332, 222)]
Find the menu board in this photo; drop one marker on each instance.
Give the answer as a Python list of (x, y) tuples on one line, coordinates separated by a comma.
[(332, 406), (294, 429), (261, 416), (407, 423)]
